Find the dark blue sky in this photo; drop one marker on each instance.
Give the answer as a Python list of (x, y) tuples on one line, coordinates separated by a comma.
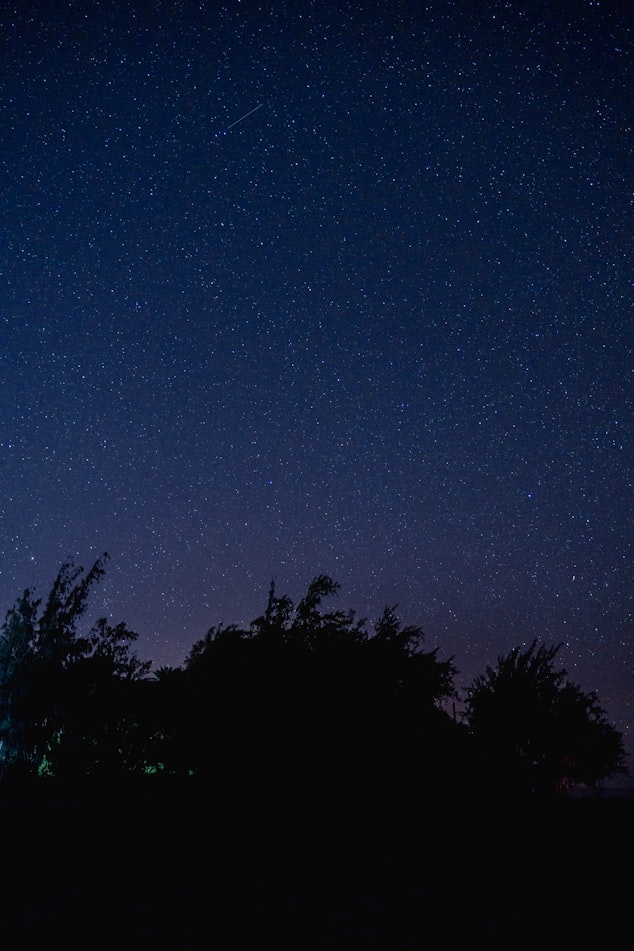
[(379, 328)]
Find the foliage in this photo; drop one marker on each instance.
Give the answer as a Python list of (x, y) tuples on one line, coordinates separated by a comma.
[(61, 693), (305, 699), (310, 696), (537, 731)]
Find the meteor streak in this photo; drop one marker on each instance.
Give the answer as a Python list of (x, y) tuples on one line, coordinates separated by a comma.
[(255, 109)]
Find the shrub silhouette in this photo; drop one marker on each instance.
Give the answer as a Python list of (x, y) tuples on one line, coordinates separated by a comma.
[(306, 699), (537, 731)]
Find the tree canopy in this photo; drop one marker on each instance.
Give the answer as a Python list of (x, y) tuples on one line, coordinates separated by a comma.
[(305, 697), (61, 696), (536, 730)]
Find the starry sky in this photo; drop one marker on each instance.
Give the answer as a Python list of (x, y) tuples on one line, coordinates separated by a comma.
[(292, 288)]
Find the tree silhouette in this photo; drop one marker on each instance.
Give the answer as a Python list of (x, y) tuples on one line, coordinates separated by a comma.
[(305, 699), (61, 693), (102, 716), (537, 732), (34, 647), (310, 698)]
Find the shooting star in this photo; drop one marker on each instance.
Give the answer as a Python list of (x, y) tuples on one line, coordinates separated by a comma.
[(255, 109)]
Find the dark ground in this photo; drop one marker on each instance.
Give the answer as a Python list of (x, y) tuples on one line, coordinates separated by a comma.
[(191, 869)]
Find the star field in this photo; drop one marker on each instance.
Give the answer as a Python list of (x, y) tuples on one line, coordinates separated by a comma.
[(343, 288)]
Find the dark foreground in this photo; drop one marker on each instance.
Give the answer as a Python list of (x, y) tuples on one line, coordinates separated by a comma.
[(190, 869)]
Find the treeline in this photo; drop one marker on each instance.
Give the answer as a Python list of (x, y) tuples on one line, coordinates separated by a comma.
[(304, 699)]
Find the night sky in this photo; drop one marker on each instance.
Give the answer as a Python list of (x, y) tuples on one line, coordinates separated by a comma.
[(294, 288)]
